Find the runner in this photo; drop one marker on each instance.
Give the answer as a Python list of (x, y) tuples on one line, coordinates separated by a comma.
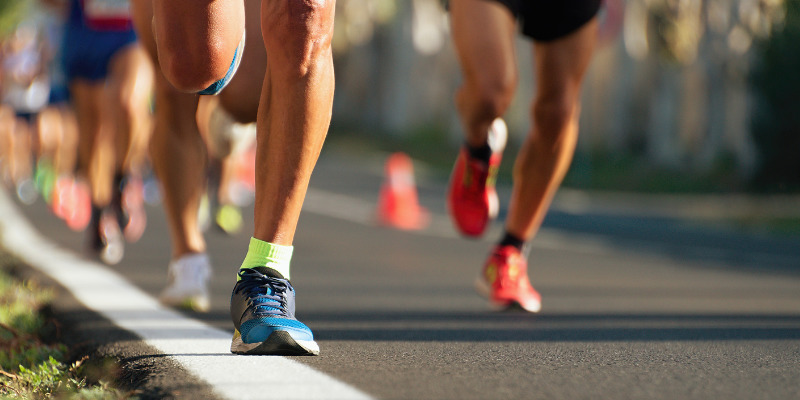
[(563, 36), (199, 48), (110, 81), (25, 89)]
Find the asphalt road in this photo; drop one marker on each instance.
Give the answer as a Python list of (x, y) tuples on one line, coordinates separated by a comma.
[(633, 306)]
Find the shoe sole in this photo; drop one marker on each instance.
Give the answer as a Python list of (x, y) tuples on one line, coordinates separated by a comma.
[(484, 290), (199, 304), (279, 343)]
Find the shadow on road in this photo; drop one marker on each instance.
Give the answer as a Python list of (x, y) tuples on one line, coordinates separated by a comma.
[(518, 326)]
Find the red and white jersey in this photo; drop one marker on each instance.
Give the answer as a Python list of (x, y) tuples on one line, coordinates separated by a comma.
[(114, 15)]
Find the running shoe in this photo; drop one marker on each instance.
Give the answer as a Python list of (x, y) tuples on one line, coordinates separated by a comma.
[(262, 309), (26, 191), (72, 202), (505, 281), (45, 179), (128, 205), (472, 198), (105, 238), (187, 280)]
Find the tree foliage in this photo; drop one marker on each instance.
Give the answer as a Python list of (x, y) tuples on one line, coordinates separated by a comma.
[(11, 13), (776, 120)]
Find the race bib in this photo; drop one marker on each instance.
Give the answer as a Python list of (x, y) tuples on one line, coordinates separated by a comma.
[(107, 14)]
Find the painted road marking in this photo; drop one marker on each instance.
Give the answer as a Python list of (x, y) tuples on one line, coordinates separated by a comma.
[(201, 349)]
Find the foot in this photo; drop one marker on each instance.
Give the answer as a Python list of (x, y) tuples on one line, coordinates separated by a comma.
[(187, 280), (472, 198), (72, 202), (262, 308), (505, 281), (105, 238), (229, 219), (128, 205)]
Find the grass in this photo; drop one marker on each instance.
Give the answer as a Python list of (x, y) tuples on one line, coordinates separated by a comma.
[(32, 367)]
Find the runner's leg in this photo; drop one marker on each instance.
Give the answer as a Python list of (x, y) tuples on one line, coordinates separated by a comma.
[(547, 152)]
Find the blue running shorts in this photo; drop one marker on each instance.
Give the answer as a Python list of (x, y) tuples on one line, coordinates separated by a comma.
[(86, 52)]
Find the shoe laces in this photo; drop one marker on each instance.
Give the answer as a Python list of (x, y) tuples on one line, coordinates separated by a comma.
[(267, 295)]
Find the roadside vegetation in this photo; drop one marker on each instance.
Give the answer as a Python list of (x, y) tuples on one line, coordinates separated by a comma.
[(31, 365)]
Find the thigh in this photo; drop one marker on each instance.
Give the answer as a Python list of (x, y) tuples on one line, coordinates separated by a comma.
[(240, 97), (489, 50), (142, 15), (561, 64), (130, 78)]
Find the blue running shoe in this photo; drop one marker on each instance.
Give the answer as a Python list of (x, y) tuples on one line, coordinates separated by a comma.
[(262, 309)]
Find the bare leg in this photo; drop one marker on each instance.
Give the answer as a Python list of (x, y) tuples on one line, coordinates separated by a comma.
[(239, 99), (7, 122), (488, 64), (66, 158), (95, 151), (546, 155), (294, 112), (197, 50), (177, 150), (129, 85)]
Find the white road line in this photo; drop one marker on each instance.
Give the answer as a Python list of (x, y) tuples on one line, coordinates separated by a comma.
[(200, 348)]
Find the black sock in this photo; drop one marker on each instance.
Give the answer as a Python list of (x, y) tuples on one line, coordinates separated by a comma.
[(511, 240), (483, 153)]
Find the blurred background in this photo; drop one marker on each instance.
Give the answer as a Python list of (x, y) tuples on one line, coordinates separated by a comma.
[(683, 96)]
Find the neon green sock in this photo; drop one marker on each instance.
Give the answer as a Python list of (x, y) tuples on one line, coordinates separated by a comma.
[(265, 254)]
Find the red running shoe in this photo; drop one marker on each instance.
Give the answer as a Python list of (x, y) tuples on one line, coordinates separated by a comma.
[(505, 281), (472, 198), (71, 201)]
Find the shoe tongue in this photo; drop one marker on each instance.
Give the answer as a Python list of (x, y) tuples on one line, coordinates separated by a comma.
[(269, 272)]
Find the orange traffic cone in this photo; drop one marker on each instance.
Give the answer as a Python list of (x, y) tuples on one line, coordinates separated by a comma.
[(398, 205)]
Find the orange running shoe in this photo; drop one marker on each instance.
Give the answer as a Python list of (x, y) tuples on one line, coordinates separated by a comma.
[(505, 281), (472, 198)]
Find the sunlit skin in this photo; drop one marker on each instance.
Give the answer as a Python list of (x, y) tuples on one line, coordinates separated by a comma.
[(296, 95), (488, 60), (112, 118)]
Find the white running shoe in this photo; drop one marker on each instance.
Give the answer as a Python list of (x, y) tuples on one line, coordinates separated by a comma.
[(187, 283)]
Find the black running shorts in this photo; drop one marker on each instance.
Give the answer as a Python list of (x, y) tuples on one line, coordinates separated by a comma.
[(545, 20)]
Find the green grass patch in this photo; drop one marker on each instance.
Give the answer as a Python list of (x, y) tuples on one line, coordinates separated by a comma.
[(33, 368)]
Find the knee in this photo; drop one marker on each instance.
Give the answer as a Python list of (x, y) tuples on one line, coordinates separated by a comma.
[(297, 34), (194, 70), (552, 114), (492, 95)]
